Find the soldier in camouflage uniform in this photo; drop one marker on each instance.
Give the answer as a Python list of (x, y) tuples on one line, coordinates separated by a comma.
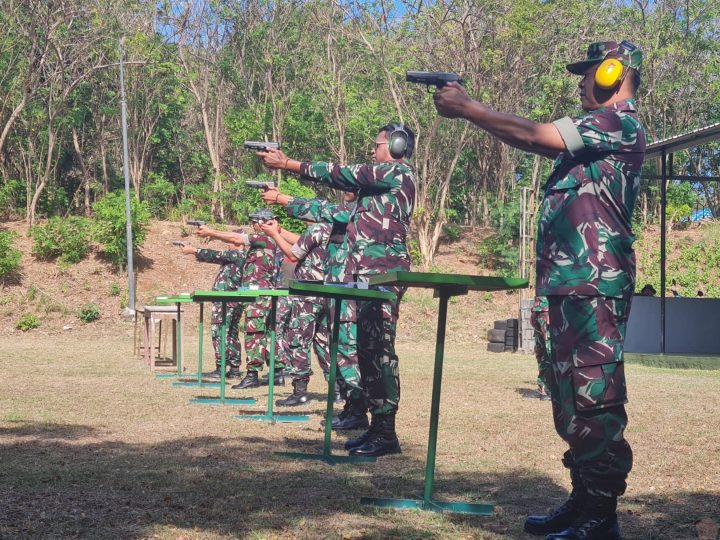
[(540, 320), (586, 268), (349, 385), (375, 243), (259, 270), (308, 250), (228, 279)]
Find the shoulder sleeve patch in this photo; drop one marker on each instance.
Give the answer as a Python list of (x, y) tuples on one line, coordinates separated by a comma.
[(569, 133)]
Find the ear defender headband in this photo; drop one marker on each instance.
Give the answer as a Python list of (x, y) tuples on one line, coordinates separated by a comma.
[(611, 71), (398, 144)]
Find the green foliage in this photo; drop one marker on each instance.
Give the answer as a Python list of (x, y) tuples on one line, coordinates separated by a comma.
[(415, 254), (89, 313), (9, 256), (65, 239), (159, 193), (109, 226), (452, 231), (500, 250), (27, 322), (681, 199), (114, 289), (692, 264), (12, 198)]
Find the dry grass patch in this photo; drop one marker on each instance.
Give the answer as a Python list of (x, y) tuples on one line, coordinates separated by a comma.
[(93, 447)]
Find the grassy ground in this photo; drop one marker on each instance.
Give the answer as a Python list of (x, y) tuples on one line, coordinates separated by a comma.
[(92, 446)]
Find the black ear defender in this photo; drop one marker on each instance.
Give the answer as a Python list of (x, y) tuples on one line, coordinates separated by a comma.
[(399, 143)]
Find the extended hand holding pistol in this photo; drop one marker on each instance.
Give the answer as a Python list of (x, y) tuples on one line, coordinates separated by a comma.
[(438, 79)]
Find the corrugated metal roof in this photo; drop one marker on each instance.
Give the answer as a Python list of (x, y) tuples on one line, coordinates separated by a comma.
[(686, 140)]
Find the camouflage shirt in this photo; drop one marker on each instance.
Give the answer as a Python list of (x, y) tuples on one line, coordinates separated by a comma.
[(378, 227), (311, 252), (260, 264), (584, 237), (322, 211), (229, 276)]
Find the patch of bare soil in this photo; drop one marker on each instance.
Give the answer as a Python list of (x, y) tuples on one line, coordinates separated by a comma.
[(56, 294)]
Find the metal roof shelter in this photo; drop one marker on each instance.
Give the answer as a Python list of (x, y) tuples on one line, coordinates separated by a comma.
[(665, 150)]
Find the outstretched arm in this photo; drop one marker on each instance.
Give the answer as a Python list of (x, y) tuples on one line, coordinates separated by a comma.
[(452, 101)]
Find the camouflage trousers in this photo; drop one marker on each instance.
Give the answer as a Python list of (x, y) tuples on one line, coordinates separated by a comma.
[(587, 387), (283, 313), (257, 338), (539, 321), (376, 329), (300, 335), (347, 356), (233, 312)]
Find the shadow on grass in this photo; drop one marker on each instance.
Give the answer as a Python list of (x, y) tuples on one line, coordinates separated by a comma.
[(54, 485)]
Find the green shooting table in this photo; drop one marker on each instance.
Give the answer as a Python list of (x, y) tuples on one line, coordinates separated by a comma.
[(336, 293), (274, 294), (179, 299), (241, 296), (445, 286)]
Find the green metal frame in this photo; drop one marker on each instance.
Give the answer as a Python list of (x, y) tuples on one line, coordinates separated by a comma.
[(269, 416), (446, 286), (337, 294), (245, 295)]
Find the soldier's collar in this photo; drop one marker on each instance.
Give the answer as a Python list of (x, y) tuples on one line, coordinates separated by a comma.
[(624, 105)]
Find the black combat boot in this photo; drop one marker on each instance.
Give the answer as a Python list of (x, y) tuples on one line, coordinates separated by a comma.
[(367, 435), (299, 395), (384, 442), (233, 373), (279, 378), (340, 416), (338, 393), (560, 518), (250, 381), (355, 418), (212, 374), (598, 521)]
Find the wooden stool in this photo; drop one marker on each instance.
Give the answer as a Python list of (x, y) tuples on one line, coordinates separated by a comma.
[(153, 315)]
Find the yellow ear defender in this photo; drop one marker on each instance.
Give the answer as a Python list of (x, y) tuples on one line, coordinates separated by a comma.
[(609, 73)]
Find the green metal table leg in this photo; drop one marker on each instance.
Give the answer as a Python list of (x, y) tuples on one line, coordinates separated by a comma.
[(223, 400), (268, 416), (327, 456), (427, 502), (199, 374)]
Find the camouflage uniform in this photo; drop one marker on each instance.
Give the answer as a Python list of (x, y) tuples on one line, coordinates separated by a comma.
[(259, 270), (374, 244), (283, 309), (586, 268), (228, 278), (310, 250), (539, 321), (347, 356)]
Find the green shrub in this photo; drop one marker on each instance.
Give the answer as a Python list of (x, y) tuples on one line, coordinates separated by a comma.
[(452, 231), (160, 193), (89, 313), (27, 322), (9, 256), (109, 226), (65, 239), (114, 289)]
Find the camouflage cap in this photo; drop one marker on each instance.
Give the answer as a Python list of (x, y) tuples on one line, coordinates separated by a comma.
[(628, 54), (262, 214)]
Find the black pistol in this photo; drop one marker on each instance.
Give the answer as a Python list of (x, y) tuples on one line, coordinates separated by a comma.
[(195, 222), (438, 79), (260, 185)]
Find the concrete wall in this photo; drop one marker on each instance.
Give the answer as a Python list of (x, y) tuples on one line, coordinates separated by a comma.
[(692, 325)]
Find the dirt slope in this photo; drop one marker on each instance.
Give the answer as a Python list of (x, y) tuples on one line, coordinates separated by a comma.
[(55, 294)]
